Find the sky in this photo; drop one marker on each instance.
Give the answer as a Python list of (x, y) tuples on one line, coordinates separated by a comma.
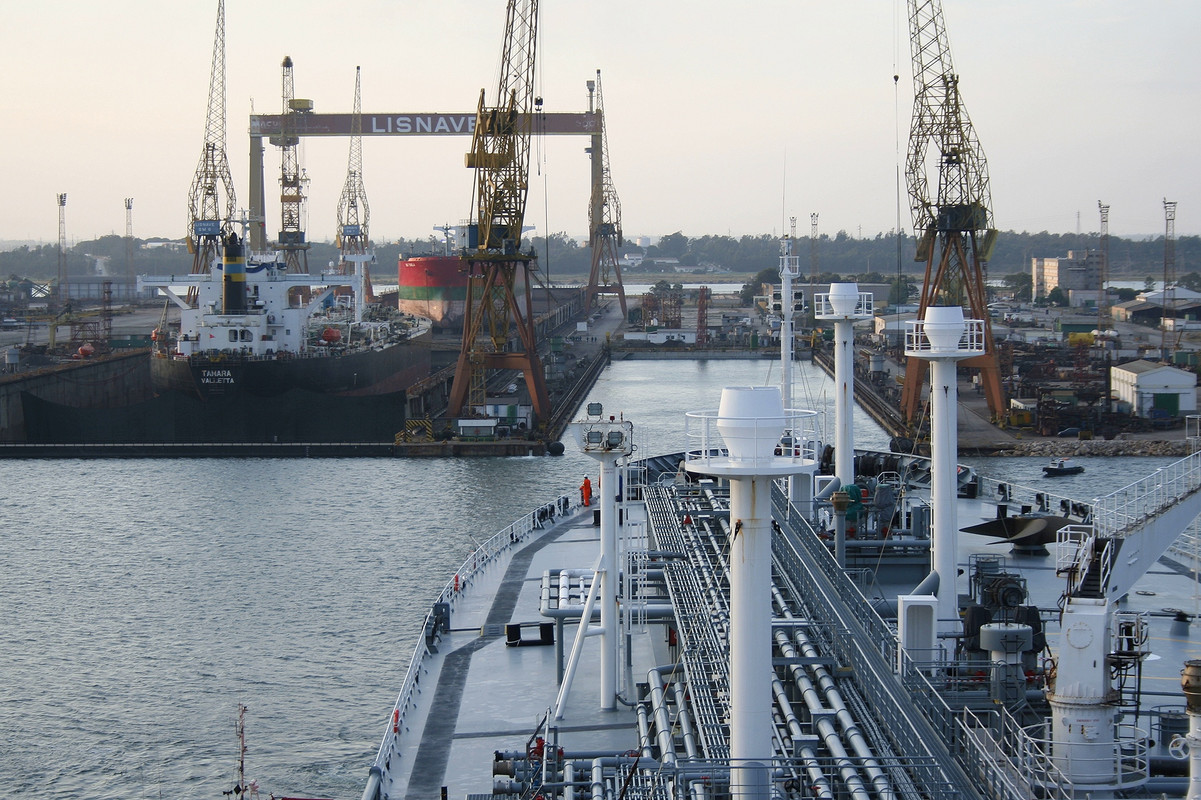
[(723, 117)]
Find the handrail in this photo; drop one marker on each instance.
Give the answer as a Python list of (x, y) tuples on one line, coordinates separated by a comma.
[(510, 537)]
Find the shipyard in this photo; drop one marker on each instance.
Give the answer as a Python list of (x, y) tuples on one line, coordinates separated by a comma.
[(426, 460)]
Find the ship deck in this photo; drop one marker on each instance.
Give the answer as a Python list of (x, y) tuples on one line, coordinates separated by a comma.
[(472, 705)]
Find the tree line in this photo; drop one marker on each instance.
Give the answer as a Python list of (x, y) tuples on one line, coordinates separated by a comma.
[(562, 256)]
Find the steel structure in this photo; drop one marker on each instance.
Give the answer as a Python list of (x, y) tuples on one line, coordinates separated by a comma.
[(211, 199), (702, 316), (1167, 322), (129, 237), (291, 177), (1104, 316), (813, 264), (604, 214), (64, 294), (500, 154), (354, 213), (954, 228)]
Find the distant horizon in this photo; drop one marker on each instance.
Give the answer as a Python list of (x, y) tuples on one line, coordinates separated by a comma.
[(12, 244)]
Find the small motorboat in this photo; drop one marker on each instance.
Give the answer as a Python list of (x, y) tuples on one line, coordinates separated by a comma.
[(1062, 466)]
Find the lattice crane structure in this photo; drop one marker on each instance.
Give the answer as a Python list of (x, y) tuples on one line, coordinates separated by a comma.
[(604, 213), (954, 229), (211, 199), (354, 213), (292, 179), (129, 237), (496, 267)]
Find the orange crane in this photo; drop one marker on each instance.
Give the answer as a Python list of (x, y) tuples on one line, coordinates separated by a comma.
[(604, 214), (500, 156), (954, 231)]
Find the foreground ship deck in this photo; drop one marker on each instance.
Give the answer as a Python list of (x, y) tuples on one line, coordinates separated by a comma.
[(476, 717)]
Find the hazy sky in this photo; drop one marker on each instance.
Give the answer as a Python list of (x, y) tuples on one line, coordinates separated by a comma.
[(723, 117)]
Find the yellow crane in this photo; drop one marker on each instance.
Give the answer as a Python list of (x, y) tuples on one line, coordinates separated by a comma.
[(500, 156)]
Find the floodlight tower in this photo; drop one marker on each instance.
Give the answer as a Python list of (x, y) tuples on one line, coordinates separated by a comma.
[(608, 441), (63, 287), (751, 422), (129, 236), (1169, 278), (813, 260), (944, 338), (790, 270), (844, 304), (1104, 321)]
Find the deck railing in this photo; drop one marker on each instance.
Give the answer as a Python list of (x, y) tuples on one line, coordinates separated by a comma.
[(511, 537)]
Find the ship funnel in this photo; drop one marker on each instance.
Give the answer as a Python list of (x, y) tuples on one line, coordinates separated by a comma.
[(233, 281)]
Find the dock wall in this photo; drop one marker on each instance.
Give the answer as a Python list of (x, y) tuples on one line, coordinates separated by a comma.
[(107, 381)]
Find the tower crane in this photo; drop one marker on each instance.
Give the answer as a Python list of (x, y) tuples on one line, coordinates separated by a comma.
[(954, 230), (208, 217), (500, 155), (291, 178), (354, 214), (604, 213)]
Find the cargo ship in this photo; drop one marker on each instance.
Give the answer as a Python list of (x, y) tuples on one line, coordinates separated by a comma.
[(435, 287), (258, 336)]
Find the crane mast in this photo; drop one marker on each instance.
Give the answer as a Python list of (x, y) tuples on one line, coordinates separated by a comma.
[(208, 217), (604, 212), (354, 213), (291, 177), (954, 230), (500, 151)]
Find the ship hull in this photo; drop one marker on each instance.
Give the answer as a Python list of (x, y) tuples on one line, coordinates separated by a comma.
[(367, 372), (434, 287)]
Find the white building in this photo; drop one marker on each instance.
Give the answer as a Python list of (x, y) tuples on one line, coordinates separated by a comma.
[(1155, 390)]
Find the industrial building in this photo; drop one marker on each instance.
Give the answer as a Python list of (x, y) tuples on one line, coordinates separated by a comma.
[(1077, 275), (1155, 390)]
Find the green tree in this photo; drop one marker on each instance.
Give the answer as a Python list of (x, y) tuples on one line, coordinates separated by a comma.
[(749, 290), (673, 245), (1021, 284), (1057, 297), (1148, 284)]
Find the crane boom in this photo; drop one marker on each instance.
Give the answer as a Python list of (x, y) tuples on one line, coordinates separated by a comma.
[(207, 220), (496, 268), (954, 229)]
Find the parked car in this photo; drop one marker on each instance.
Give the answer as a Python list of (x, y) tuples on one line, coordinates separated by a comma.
[(1066, 432)]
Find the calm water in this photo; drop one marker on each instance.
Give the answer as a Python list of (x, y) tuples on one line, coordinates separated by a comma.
[(142, 600)]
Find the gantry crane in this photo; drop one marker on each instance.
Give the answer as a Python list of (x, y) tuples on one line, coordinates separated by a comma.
[(291, 177), (354, 214), (604, 213), (954, 232), (500, 155), (207, 220)]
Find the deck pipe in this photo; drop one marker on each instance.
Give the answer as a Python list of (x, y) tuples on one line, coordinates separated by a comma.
[(663, 737)]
